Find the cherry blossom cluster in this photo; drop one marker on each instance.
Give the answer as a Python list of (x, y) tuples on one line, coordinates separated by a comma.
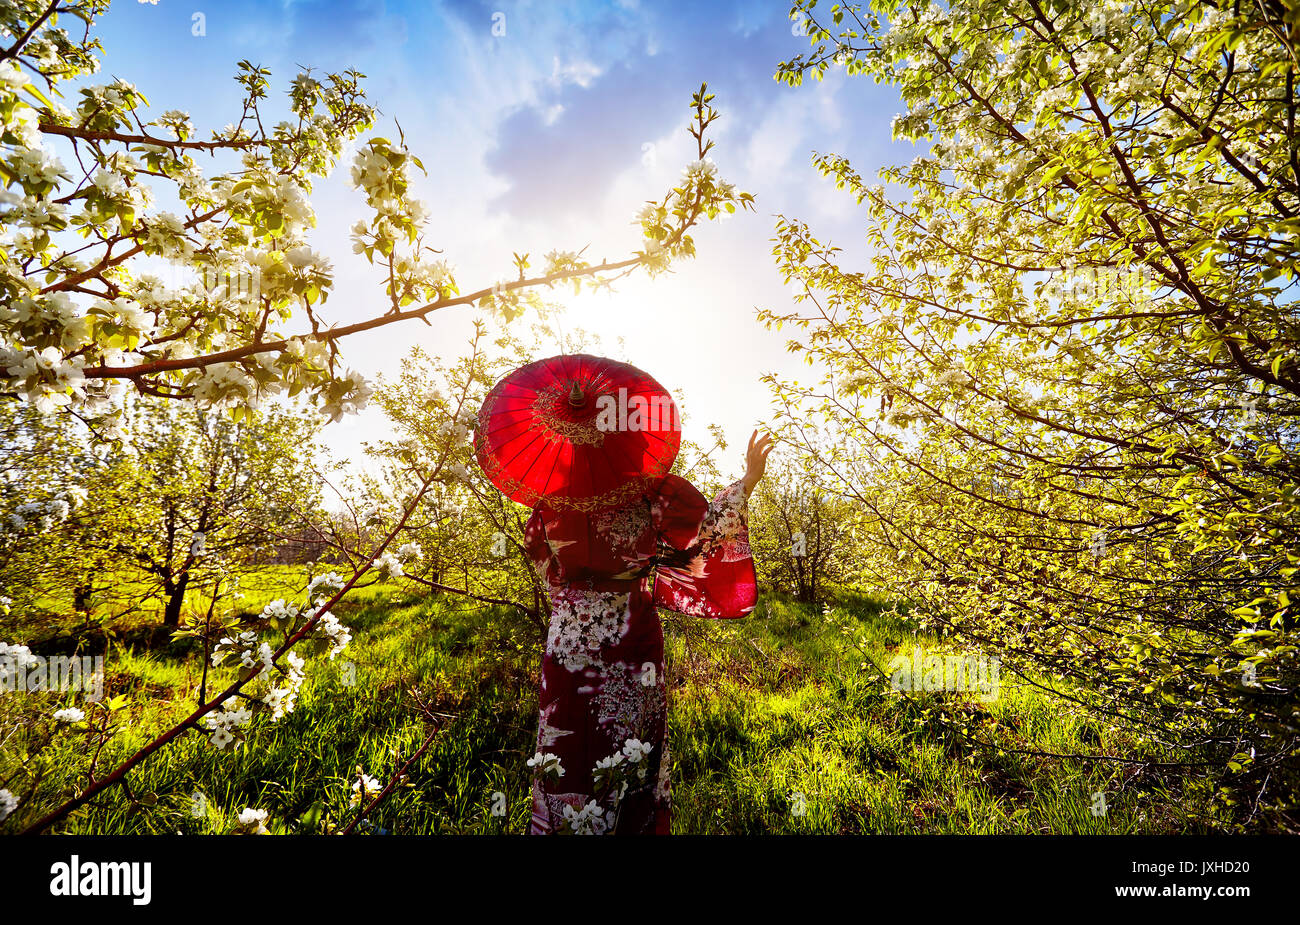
[(391, 562), (591, 819), (364, 788), (77, 321), (324, 584), (251, 821), (13, 659), (226, 726), (546, 765), (330, 629), (631, 758), (614, 774), (244, 648), (8, 803), (40, 515), (280, 682), (381, 171)]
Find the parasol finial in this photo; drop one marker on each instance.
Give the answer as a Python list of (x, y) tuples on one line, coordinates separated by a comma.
[(576, 398)]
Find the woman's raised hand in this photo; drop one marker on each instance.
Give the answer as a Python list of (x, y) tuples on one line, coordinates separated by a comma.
[(756, 459)]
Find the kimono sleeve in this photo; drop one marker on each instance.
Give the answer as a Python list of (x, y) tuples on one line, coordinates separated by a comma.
[(718, 580)]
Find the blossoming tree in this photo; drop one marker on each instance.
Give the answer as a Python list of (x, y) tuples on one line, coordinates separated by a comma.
[(185, 503), (1065, 388)]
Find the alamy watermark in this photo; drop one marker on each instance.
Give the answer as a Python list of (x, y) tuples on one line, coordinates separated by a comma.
[(242, 283), (1123, 283), (75, 877), (20, 670), (636, 412), (977, 674)]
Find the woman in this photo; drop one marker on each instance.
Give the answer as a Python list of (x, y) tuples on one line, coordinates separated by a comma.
[(602, 763)]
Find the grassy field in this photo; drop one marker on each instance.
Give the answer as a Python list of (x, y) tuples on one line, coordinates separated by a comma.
[(779, 723)]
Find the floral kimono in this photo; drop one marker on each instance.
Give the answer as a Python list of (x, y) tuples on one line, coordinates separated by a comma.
[(602, 763)]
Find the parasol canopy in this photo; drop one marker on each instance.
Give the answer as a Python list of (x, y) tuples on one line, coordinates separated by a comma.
[(577, 433)]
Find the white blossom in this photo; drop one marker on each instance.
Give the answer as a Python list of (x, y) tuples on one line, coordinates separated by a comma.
[(110, 183), (280, 610), (545, 765), (636, 750), (390, 564), (47, 379), (225, 726), (328, 583), (8, 803), (701, 170), (365, 788), (347, 396), (15, 657), (282, 700), (12, 77), (303, 257), (339, 636), (252, 822), (590, 820)]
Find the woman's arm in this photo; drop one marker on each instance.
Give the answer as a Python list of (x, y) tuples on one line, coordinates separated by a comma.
[(695, 527), (756, 460), (726, 518)]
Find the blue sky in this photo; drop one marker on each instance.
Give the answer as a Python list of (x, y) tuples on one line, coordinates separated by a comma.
[(552, 136)]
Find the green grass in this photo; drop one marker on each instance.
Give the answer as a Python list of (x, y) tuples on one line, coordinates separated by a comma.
[(777, 725)]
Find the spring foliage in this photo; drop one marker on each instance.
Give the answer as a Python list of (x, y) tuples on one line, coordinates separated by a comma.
[(1065, 385)]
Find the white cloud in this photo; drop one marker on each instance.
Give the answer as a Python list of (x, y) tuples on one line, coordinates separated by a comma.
[(579, 72), (779, 148)]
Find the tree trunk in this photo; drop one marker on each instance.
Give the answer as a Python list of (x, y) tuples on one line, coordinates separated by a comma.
[(175, 600)]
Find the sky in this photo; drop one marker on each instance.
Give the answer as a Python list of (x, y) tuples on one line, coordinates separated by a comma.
[(551, 136)]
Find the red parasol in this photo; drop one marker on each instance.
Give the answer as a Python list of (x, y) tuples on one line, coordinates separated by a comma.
[(577, 433)]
